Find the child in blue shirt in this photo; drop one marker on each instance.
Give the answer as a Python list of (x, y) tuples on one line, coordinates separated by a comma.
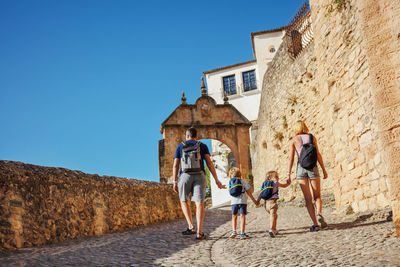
[(239, 204)]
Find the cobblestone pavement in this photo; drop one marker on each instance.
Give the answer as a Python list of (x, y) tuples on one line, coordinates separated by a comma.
[(366, 240)]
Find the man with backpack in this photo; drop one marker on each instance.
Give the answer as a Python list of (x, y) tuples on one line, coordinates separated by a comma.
[(189, 177)]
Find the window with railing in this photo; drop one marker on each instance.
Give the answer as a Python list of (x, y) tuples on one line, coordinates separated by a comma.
[(249, 80), (229, 85)]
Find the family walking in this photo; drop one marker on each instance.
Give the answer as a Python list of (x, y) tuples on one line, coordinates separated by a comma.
[(189, 178)]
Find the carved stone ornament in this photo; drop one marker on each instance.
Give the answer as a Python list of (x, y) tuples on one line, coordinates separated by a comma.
[(205, 110)]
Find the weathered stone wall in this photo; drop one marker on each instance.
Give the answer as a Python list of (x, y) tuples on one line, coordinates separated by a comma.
[(330, 85), (290, 92), (359, 47), (42, 205)]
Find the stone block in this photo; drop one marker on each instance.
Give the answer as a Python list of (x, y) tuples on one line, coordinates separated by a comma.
[(365, 139), (347, 197), (356, 173), (375, 175), (389, 117), (375, 187), (372, 203), (355, 206), (383, 185), (358, 194), (382, 200), (350, 166), (396, 215), (377, 158), (367, 190), (362, 205)]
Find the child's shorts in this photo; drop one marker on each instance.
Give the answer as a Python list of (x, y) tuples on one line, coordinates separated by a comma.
[(242, 208), (271, 206)]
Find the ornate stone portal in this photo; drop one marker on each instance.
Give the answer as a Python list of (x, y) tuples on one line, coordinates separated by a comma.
[(212, 121)]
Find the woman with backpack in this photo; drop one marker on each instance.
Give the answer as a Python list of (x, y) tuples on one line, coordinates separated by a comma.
[(307, 173)]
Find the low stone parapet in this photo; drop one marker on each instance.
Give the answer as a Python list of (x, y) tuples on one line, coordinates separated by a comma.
[(43, 205)]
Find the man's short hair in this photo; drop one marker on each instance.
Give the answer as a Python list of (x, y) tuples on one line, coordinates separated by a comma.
[(191, 132)]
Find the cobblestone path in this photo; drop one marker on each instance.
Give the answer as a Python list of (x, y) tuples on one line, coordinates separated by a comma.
[(366, 240)]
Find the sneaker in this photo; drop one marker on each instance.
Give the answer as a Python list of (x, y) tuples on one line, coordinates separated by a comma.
[(189, 232), (243, 236), (314, 228), (233, 234), (272, 233), (201, 236), (321, 220)]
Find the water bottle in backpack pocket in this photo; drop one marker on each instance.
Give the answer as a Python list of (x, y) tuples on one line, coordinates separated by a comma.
[(235, 187), (308, 155), (267, 189), (191, 158)]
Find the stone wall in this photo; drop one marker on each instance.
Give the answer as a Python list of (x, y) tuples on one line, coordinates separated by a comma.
[(329, 85), (42, 205), (358, 47)]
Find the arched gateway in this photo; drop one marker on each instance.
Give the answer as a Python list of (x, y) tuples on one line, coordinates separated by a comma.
[(222, 122)]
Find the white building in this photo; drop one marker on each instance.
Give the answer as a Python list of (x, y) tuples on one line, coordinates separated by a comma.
[(241, 83)]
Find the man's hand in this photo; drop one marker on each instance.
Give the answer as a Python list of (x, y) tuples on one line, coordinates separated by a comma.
[(325, 174), (220, 186), (176, 187)]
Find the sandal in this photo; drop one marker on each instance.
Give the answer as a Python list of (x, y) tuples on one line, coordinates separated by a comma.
[(201, 236), (189, 232), (315, 228)]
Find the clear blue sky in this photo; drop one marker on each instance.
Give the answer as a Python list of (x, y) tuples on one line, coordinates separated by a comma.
[(85, 84)]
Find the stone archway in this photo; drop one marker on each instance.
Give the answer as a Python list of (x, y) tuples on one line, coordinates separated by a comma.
[(222, 122)]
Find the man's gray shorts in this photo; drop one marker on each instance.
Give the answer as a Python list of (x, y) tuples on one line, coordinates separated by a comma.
[(194, 183), (302, 173)]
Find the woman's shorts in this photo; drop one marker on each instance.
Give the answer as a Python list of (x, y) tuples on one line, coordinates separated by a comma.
[(302, 173)]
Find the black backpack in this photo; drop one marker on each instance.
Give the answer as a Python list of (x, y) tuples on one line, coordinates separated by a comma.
[(235, 187), (266, 189), (308, 155), (191, 158)]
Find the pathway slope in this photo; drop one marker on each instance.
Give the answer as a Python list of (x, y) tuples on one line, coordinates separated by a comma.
[(350, 240)]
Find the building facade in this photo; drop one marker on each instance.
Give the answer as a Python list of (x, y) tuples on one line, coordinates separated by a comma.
[(240, 84)]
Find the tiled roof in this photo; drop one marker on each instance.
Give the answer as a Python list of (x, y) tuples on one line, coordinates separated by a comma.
[(264, 32), (229, 67), (252, 42)]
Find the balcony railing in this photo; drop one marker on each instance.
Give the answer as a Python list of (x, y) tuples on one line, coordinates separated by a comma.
[(299, 31)]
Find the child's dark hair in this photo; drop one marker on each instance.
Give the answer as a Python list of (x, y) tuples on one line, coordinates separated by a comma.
[(270, 174)]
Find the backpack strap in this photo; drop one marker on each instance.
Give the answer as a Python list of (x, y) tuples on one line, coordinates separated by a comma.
[(311, 139)]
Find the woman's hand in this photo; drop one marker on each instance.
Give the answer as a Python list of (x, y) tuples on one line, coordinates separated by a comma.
[(325, 174), (176, 186)]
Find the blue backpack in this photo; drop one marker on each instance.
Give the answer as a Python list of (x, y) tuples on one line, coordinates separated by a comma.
[(266, 190), (235, 187)]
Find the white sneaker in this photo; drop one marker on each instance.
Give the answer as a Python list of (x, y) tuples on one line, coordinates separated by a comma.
[(272, 233), (233, 234)]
